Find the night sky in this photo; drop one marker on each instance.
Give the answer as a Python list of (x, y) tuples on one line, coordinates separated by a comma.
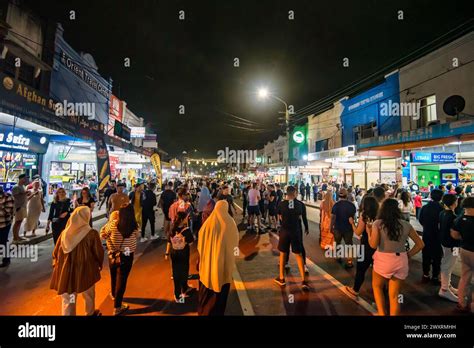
[(191, 62)]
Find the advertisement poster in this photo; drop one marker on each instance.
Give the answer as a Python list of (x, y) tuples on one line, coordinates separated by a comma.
[(103, 164), (155, 161)]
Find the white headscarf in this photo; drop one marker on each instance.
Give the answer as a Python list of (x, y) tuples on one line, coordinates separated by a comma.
[(76, 229), (218, 240)]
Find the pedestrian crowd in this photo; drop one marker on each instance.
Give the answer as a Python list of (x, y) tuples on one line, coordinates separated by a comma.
[(201, 212)]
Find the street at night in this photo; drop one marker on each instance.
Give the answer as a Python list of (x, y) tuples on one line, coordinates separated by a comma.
[(172, 171)]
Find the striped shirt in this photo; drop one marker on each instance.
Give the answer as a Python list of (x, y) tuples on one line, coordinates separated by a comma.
[(6, 210), (114, 238)]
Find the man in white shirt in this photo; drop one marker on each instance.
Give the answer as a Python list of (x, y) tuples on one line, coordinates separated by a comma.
[(253, 208)]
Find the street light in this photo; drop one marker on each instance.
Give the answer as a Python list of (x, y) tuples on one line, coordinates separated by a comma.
[(263, 93)]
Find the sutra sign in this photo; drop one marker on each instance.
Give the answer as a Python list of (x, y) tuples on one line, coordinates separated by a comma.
[(18, 140)]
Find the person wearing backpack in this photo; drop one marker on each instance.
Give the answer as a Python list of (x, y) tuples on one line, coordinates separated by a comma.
[(178, 250), (121, 233)]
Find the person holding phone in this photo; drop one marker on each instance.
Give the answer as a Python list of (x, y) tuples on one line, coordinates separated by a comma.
[(59, 214), (35, 206), (368, 215)]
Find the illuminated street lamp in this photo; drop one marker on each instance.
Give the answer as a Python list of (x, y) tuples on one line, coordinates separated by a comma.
[(263, 93)]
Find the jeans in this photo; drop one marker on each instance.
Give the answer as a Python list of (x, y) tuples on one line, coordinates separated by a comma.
[(464, 287), (363, 266), (119, 276), (4, 232), (431, 257), (447, 265), (69, 302)]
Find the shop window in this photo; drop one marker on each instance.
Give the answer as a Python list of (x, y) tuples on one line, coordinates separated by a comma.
[(365, 131), (427, 111), (321, 145)]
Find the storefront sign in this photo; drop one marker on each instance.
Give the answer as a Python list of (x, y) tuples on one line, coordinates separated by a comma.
[(103, 163), (137, 132), (122, 131), (75, 79), (364, 109), (19, 140), (429, 157), (348, 151), (437, 131)]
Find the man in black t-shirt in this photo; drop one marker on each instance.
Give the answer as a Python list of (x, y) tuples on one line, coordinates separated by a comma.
[(450, 247), (290, 212), (341, 212), (463, 229), (272, 207), (108, 192), (168, 197)]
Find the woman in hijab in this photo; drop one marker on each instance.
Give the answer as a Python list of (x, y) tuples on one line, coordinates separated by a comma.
[(77, 262), (121, 233), (219, 238)]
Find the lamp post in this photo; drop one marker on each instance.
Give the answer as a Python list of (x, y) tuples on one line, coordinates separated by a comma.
[(263, 93)]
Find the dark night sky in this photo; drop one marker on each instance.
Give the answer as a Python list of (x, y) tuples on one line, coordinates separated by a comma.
[(191, 62)]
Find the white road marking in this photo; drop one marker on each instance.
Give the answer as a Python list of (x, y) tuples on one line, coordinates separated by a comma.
[(360, 301)]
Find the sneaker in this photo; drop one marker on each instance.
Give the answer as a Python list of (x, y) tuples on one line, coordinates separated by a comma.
[(304, 286), (351, 291), (154, 237), (448, 295), (453, 290), (306, 270), (279, 281), (425, 279), (464, 310), (121, 310), (188, 292), (143, 239)]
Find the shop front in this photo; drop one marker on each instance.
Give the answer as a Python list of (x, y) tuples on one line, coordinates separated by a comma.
[(21, 152)]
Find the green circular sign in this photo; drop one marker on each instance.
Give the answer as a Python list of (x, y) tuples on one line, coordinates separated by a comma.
[(298, 137)]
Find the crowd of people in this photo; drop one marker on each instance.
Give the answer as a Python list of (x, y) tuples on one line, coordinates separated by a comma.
[(188, 217)]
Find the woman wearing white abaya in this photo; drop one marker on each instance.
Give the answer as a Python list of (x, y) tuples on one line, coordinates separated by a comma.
[(217, 246)]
